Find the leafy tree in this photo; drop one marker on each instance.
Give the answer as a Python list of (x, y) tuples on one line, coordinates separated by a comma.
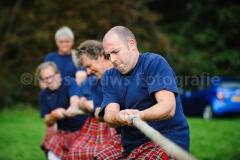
[(194, 36), (28, 29), (204, 35)]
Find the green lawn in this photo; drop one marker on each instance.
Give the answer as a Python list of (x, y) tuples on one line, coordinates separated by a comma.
[(217, 139), (22, 131)]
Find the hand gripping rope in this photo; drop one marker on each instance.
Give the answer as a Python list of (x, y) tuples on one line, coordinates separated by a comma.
[(170, 147)]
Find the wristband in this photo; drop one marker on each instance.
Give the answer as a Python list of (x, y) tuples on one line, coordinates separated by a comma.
[(53, 114), (114, 119)]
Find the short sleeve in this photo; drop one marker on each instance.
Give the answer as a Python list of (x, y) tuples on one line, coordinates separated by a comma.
[(73, 88), (159, 75), (80, 68), (85, 88), (97, 96), (109, 95), (97, 100)]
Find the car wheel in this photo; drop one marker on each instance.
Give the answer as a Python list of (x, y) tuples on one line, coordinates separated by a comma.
[(207, 112)]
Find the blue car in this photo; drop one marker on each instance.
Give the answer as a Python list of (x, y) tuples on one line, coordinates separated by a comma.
[(210, 96)]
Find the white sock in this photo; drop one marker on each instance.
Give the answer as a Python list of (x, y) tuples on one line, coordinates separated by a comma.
[(52, 156)]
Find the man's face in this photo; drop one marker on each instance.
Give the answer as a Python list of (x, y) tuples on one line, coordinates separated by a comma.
[(119, 54), (64, 45), (93, 66), (50, 78)]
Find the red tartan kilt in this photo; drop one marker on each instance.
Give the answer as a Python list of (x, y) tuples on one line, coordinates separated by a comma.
[(58, 141), (111, 150), (148, 151), (94, 136)]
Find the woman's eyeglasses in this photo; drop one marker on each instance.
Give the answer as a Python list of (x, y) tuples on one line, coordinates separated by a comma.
[(46, 78)]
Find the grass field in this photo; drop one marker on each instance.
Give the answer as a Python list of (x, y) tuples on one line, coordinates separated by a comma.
[(22, 131)]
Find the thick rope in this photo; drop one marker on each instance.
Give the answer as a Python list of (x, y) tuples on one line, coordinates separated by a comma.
[(76, 112), (170, 147)]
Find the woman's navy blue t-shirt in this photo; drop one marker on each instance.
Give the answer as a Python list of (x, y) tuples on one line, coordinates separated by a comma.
[(50, 100), (64, 64), (136, 89)]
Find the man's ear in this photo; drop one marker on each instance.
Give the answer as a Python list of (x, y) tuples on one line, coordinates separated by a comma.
[(131, 44)]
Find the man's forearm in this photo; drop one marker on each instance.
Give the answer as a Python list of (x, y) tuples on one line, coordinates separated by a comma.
[(88, 105), (108, 119), (85, 105), (74, 101), (80, 76)]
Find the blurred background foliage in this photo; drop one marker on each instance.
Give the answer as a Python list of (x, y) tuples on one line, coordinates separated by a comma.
[(194, 36)]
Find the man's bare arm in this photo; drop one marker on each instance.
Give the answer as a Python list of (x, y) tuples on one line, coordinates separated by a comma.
[(110, 110), (164, 109), (85, 105)]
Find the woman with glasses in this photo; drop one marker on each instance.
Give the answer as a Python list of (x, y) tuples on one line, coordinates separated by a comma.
[(57, 102)]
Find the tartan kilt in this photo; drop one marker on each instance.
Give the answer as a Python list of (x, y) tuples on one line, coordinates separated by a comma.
[(94, 136), (112, 150), (149, 151), (58, 141)]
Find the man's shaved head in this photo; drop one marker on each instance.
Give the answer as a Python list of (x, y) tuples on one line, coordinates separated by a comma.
[(123, 33)]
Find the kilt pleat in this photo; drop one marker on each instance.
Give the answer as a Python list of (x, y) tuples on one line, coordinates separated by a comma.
[(94, 136), (58, 141), (111, 150), (147, 151)]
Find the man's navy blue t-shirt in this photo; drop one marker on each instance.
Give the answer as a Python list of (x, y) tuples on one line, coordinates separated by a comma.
[(97, 94), (92, 90), (135, 90), (50, 100), (86, 87)]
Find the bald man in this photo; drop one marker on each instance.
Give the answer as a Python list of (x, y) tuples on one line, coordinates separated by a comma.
[(146, 86)]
